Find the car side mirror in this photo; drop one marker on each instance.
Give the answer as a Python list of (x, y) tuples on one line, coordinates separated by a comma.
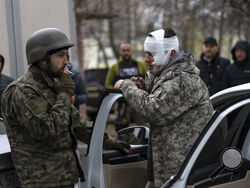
[(135, 135)]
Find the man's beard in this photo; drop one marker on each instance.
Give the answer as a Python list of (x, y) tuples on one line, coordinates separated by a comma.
[(209, 55), (126, 58), (53, 74)]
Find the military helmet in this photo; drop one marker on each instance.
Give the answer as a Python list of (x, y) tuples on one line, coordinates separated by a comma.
[(43, 41)]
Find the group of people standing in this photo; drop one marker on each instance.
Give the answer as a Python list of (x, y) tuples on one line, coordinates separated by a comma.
[(217, 72), (173, 95), (43, 125)]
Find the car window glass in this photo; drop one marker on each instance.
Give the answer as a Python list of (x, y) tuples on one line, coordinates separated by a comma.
[(231, 132), (121, 117)]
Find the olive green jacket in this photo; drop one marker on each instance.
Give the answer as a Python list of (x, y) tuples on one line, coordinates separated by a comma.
[(42, 128), (113, 73)]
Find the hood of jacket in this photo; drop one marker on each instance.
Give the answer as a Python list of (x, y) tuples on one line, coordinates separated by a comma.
[(242, 44), (181, 62)]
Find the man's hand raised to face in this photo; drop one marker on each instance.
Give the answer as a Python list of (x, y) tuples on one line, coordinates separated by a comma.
[(138, 81)]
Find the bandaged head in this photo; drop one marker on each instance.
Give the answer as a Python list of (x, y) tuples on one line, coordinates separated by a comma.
[(160, 48)]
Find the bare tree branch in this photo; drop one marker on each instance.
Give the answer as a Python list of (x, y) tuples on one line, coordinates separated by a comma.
[(242, 6)]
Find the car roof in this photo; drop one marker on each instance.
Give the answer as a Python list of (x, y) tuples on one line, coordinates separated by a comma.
[(239, 92)]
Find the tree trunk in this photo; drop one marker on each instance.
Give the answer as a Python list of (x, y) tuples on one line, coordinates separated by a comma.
[(192, 36), (80, 46), (247, 30), (230, 42), (221, 23), (129, 22), (111, 32), (100, 44), (186, 28), (239, 28), (167, 20)]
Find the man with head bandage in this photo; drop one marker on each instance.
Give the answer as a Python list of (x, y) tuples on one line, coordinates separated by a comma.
[(160, 48), (173, 99)]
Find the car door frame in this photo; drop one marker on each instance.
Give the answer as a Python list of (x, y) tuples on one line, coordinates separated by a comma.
[(92, 161), (181, 179)]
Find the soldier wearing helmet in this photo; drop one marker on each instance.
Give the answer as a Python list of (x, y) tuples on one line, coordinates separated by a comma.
[(41, 122)]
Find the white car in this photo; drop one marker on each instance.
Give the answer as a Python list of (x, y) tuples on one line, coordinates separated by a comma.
[(8, 178), (219, 158)]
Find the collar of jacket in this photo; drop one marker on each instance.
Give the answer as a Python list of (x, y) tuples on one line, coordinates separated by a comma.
[(213, 60), (243, 63), (181, 62), (42, 75), (131, 60), (175, 62)]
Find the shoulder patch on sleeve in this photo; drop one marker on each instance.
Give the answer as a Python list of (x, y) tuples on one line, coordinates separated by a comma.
[(36, 105)]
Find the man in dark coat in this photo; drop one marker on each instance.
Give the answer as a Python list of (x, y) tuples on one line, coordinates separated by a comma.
[(80, 97), (4, 80), (239, 72), (212, 66)]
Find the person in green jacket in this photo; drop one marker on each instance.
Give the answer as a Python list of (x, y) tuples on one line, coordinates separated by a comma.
[(41, 122), (125, 68)]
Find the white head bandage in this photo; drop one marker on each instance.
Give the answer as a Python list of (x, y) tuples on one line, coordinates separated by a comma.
[(160, 47)]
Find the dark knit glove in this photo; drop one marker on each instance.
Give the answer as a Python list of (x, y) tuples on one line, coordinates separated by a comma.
[(66, 84), (119, 145)]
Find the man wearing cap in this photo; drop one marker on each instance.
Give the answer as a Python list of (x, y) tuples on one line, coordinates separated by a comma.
[(212, 66), (41, 122), (239, 72), (173, 99), (125, 68)]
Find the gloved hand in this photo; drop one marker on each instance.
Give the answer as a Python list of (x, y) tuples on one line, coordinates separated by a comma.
[(119, 145), (122, 146), (66, 84)]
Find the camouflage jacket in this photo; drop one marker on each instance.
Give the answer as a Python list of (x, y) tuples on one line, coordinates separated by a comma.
[(42, 128), (177, 106)]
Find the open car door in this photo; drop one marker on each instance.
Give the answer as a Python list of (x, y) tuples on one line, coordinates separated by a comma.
[(111, 168)]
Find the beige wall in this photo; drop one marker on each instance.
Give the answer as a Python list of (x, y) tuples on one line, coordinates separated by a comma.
[(4, 46), (36, 14), (31, 16)]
